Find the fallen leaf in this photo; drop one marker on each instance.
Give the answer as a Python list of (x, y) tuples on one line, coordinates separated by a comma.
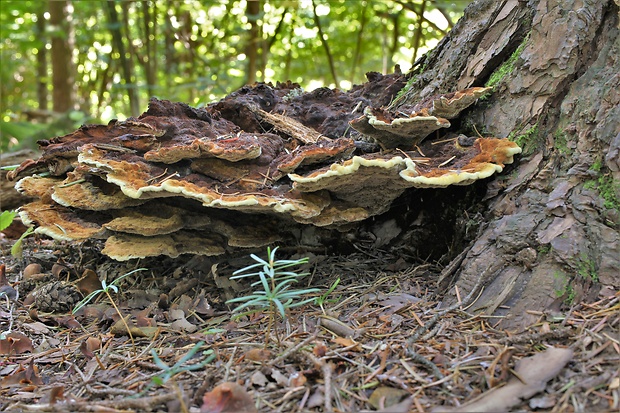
[(88, 346), (37, 327), (280, 378), (258, 354), (297, 379), (57, 394), (180, 323), (88, 283), (320, 349), (348, 342), (15, 343), (384, 396), (535, 371), (259, 379), (227, 397), (28, 376)]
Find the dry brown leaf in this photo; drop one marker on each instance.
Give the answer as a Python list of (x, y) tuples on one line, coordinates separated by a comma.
[(28, 376), (258, 354), (347, 342), (320, 349), (88, 283), (57, 394), (259, 379), (227, 398), (535, 371), (384, 397), (119, 329), (180, 323), (15, 343), (297, 379)]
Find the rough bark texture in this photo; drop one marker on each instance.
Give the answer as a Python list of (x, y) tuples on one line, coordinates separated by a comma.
[(551, 229)]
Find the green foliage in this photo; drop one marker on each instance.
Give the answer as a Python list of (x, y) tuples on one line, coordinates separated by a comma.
[(544, 249), (197, 52), (6, 219), (564, 288), (607, 187), (16, 249), (275, 285), (169, 372), (561, 141), (508, 66), (322, 299), (586, 268), (105, 288), (528, 140)]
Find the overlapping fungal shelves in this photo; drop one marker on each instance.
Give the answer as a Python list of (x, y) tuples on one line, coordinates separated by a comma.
[(251, 169)]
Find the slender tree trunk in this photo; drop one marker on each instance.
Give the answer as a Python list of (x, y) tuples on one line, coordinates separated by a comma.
[(126, 65), (550, 229), (330, 58), (254, 41), (62, 60), (147, 60), (359, 42), (42, 76)]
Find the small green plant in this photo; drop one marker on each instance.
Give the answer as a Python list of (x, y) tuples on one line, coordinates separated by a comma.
[(106, 288), (274, 293), (322, 299), (560, 141), (169, 372), (528, 140), (6, 219), (586, 268)]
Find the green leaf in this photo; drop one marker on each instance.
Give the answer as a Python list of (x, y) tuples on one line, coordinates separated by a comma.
[(16, 249), (6, 219)]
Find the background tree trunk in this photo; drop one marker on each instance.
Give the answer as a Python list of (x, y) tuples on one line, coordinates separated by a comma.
[(62, 60), (550, 234), (254, 40)]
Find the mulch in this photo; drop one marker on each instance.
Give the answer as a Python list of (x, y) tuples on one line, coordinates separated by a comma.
[(379, 342)]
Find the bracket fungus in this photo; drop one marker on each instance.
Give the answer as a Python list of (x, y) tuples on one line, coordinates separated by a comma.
[(250, 169)]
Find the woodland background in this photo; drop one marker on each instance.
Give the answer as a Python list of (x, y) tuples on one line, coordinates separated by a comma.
[(66, 63)]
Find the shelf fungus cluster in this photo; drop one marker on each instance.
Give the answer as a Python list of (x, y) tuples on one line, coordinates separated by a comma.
[(249, 170)]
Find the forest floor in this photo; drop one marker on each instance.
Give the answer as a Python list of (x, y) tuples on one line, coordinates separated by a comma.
[(374, 344)]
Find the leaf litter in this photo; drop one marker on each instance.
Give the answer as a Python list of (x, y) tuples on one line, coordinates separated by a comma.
[(378, 342)]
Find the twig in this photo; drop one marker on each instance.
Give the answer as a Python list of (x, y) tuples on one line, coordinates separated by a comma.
[(293, 349)]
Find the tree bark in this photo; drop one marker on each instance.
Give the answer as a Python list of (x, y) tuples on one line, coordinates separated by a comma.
[(126, 63), (550, 234), (254, 40), (62, 60)]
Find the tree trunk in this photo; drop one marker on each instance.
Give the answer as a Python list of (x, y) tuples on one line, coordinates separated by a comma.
[(125, 58), (254, 40), (62, 61), (42, 77), (550, 234)]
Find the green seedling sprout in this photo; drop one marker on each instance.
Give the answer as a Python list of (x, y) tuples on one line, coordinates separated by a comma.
[(274, 291), (106, 288)]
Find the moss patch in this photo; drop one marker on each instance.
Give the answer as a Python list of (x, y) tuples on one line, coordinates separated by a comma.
[(528, 140), (508, 66)]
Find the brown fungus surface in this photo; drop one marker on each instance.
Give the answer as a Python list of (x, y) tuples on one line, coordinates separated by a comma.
[(257, 167)]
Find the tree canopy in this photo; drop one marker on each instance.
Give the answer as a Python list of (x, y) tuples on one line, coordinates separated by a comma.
[(98, 60)]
